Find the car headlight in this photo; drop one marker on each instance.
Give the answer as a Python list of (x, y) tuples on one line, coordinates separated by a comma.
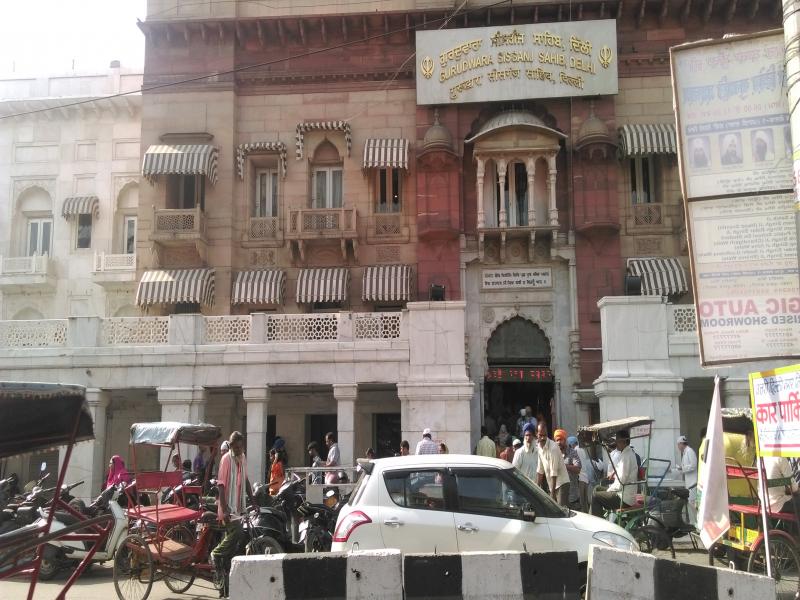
[(617, 541)]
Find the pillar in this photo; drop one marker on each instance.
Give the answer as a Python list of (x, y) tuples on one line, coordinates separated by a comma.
[(530, 170), (735, 392), (182, 405), (345, 395), (502, 164), (479, 178), (256, 399), (88, 463), (551, 189)]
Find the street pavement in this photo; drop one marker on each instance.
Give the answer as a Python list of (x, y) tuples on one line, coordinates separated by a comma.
[(98, 584)]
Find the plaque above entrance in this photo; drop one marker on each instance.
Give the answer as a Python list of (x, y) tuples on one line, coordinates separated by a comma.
[(516, 62), (527, 374)]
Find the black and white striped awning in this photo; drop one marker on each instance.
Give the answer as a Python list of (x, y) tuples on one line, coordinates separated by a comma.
[(192, 159), (386, 153), (242, 150), (642, 140), (387, 283), (80, 205), (323, 285), (302, 128), (174, 286), (660, 276), (265, 286)]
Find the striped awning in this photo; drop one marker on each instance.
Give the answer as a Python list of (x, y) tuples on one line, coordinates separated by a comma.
[(176, 286), (322, 285), (642, 140), (265, 286), (660, 276), (387, 283), (386, 153), (302, 128), (193, 159), (80, 205), (242, 150)]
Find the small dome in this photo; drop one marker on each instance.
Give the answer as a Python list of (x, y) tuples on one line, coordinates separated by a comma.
[(592, 130), (514, 118), (438, 136)]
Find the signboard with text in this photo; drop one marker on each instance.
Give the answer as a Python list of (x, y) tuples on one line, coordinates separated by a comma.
[(523, 374), (497, 279), (736, 174), (775, 398), (516, 62)]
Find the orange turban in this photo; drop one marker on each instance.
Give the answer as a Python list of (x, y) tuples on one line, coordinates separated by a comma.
[(559, 434)]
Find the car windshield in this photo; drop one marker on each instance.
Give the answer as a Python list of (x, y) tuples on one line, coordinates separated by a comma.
[(550, 508)]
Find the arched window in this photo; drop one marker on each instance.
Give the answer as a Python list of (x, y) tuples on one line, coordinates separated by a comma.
[(36, 213), (518, 341), (127, 206), (326, 177)]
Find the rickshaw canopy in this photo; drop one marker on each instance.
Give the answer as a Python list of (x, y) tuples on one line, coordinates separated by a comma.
[(737, 420), (637, 427), (168, 433), (41, 416)]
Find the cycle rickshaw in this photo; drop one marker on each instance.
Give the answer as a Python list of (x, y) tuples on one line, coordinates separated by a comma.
[(162, 544), (38, 417)]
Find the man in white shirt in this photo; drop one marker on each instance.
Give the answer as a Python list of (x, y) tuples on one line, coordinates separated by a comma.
[(622, 491), (552, 467), (333, 458), (780, 497), (486, 446), (688, 468), (526, 458), (426, 445)]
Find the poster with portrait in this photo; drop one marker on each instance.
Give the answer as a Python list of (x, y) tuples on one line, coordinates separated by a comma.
[(733, 116), (734, 152)]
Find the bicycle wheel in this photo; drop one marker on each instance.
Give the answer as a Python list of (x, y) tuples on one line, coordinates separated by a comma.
[(180, 580), (133, 569), (785, 564)]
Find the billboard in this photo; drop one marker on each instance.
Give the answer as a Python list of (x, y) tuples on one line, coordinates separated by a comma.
[(736, 175), (775, 398), (517, 62)]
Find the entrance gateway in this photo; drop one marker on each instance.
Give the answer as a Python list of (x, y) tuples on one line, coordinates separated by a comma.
[(518, 375)]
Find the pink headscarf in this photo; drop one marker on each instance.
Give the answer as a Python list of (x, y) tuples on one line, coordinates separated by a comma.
[(117, 473)]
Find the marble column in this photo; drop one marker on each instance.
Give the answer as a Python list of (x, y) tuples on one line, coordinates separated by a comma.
[(479, 181), (256, 400), (346, 396), (502, 165), (182, 405), (530, 168), (551, 189), (88, 463)]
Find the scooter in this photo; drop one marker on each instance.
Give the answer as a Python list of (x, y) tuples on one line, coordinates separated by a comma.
[(60, 554)]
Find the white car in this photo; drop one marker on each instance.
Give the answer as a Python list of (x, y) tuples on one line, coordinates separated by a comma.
[(459, 503)]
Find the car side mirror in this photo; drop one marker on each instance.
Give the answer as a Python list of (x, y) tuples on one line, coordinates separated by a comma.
[(529, 515)]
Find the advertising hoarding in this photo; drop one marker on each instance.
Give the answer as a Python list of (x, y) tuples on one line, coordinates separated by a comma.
[(775, 398), (736, 175)]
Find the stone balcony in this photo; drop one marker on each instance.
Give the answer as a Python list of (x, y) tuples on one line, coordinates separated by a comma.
[(387, 228), (27, 273), (112, 270), (493, 239), (312, 225), (174, 227), (262, 231)]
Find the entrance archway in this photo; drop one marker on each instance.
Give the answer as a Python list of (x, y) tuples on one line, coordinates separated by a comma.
[(518, 375)]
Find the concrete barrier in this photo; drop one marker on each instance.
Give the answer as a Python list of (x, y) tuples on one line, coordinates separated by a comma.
[(492, 575), (387, 574), (618, 575), (364, 575)]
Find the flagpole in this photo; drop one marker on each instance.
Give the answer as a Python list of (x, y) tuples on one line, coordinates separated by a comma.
[(762, 486)]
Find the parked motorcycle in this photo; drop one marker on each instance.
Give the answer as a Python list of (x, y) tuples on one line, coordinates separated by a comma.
[(316, 530), (15, 516), (61, 554), (9, 488)]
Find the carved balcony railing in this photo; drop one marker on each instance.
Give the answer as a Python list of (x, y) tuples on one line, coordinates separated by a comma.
[(263, 230), (682, 318), (114, 262), (35, 272), (387, 227), (171, 224), (648, 215), (311, 224), (47, 333)]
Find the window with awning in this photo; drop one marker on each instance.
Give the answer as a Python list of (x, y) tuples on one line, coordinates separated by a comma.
[(80, 205), (660, 276), (383, 153), (189, 159), (262, 286), (176, 286), (328, 285), (386, 283), (647, 139)]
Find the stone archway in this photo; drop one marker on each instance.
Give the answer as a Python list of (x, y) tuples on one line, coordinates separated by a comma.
[(518, 341)]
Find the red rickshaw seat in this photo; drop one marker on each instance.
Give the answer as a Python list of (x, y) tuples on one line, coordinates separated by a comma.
[(754, 509)]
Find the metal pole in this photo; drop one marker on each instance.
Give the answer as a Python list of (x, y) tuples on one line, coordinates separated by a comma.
[(791, 36), (762, 486)]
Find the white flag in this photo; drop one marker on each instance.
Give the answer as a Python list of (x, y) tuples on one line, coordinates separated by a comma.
[(712, 518)]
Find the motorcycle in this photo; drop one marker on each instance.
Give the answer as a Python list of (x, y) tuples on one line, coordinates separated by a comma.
[(9, 488), (60, 554), (316, 530), (14, 516)]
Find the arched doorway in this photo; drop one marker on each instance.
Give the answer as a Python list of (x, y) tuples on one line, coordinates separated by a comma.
[(518, 375)]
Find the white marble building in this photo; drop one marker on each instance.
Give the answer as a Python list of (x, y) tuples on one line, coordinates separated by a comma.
[(69, 167)]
